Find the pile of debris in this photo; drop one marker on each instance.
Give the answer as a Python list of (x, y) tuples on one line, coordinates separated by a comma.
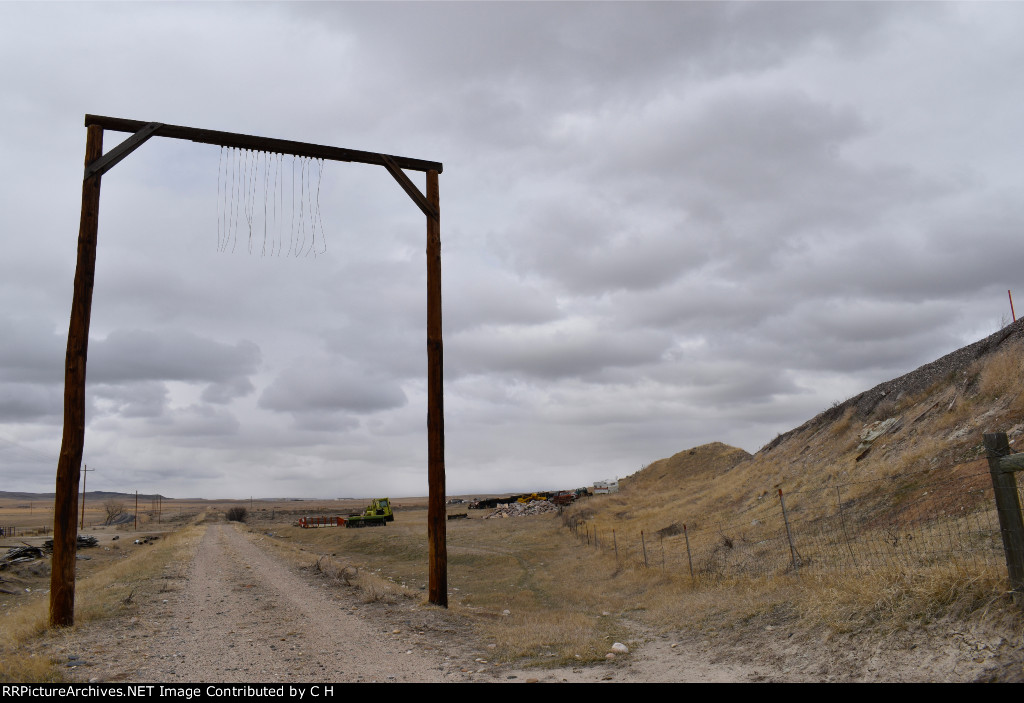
[(84, 542), (16, 555), (521, 509)]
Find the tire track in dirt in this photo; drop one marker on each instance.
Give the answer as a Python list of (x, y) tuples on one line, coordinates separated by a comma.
[(244, 617)]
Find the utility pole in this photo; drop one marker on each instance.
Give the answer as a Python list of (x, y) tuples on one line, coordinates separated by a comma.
[(85, 470)]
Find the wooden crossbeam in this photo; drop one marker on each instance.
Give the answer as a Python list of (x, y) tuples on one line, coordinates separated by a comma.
[(277, 146)]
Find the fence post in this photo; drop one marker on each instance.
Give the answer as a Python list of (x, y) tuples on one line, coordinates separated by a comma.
[(842, 519), (615, 542), (644, 545), (1004, 483), (689, 558), (789, 534)]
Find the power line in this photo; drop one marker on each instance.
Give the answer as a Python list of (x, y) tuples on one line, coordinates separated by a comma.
[(30, 450)]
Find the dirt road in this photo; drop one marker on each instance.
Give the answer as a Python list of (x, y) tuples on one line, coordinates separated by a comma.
[(238, 615)]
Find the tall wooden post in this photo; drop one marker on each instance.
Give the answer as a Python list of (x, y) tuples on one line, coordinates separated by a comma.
[(436, 520), (65, 506)]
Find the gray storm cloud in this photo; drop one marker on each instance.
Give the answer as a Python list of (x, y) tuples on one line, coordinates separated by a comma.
[(663, 224)]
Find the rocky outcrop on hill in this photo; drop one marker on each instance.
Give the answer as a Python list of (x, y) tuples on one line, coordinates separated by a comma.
[(917, 381)]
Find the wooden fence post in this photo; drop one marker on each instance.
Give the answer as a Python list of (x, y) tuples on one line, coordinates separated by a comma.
[(789, 534), (689, 557), (842, 519), (1001, 466)]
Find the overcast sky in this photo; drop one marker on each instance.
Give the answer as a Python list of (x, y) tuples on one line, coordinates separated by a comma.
[(662, 225)]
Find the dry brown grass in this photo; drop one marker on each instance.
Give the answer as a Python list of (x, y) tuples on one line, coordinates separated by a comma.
[(896, 598), (1001, 377)]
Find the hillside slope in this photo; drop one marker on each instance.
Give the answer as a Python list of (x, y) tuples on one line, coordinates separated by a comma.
[(929, 420)]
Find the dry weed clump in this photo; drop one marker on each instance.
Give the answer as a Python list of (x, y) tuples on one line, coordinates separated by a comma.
[(343, 573), (842, 426), (1002, 376), (372, 587)]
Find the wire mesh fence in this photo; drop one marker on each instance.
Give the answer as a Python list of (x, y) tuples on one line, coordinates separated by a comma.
[(915, 520)]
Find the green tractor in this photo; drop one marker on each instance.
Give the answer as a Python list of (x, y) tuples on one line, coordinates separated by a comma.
[(377, 513)]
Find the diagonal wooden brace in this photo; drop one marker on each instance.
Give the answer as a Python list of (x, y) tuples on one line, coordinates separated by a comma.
[(410, 188), (114, 156)]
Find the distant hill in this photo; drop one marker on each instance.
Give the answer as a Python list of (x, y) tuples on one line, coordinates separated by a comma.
[(704, 462), (90, 496)]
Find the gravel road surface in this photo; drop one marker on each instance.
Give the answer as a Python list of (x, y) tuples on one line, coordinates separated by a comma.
[(239, 615)]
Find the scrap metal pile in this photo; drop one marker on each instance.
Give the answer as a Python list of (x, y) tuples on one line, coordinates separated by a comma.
[(16, 555), (84, 542), (536, 507), (555, 497)]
